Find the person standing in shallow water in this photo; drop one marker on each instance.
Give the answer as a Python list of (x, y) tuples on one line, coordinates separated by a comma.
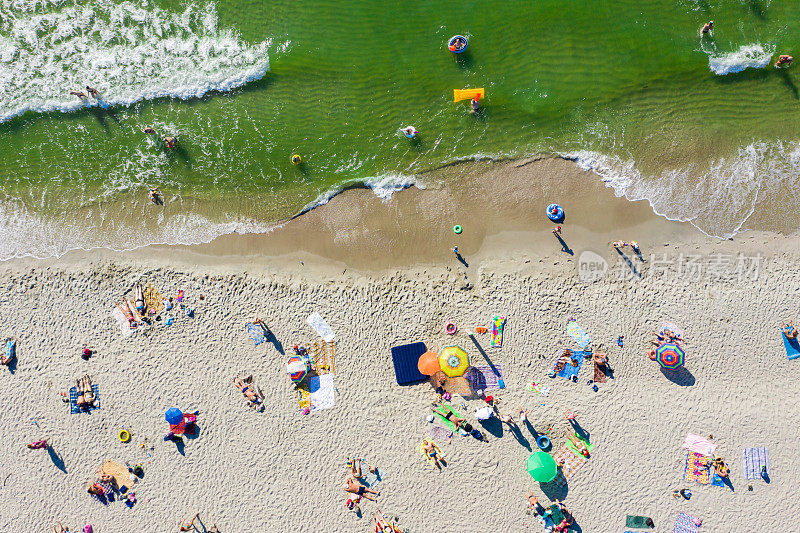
[(784, 61), (707, 28)]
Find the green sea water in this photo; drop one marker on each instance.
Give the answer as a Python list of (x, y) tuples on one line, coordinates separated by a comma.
[(704, 129)]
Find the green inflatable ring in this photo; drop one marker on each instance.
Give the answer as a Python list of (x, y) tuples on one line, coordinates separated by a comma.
[(457, 229)]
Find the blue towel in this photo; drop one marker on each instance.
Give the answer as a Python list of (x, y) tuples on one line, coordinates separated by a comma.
[(370, 479), (256, 333), (406, 359), (10, 345), (717, 481), (570, 370), (792, 347), (73, 400)]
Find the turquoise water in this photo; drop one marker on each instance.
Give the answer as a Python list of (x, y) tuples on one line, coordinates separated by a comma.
[(702, 128)]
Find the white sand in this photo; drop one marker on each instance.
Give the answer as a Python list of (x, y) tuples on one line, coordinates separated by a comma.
[(282, 471)]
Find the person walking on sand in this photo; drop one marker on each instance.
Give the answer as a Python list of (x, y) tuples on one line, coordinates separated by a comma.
[(707, 28), (187, 524), (557, 230), (455, 250)]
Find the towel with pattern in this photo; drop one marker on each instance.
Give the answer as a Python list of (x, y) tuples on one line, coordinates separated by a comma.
[(754, 460), (324, 357), (569, 369), (441, 434), (256, 332), (684, 524), (697, 468), (483, 377), (580, 336), (572, 463)]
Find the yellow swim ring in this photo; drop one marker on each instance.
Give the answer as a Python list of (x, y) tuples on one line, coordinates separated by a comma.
[(296, 159), (124, 435)]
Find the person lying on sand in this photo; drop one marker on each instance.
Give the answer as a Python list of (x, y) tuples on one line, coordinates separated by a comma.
[(95, 488), (102, 477), (562, 361), (790, 330), (356, 488), (458, 422), (85, 397), (720, 467), (579, 445), (534, 505), (60, 529), (187, 524), (251, 395), (601, 360), (433, 452)]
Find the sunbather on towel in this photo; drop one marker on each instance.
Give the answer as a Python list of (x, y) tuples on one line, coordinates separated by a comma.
[(251, 395), (355, 467), (579, 445), (139, 301), (433, 452), (721, 468), (457, 421), (356, 488), (562, 361), (789, 330), (85, 397), (601, 360)]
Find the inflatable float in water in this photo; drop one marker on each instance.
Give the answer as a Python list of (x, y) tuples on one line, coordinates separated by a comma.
[(457, 44), (555, 212)]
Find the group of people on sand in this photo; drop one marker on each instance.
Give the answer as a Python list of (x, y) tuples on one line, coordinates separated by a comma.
[(784, 60), (86, 397), (354, 484), (662, 337), (536, 508)]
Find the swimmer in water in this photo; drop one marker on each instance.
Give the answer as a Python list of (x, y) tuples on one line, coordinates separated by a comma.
[(170, 142), (155, 193), (148, 130), (92, 92), (79, 94), (475, 102), (410, 132), (707, 27), (784, 61)]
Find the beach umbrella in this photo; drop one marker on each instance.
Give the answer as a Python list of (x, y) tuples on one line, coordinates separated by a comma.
[(669, 356), (542, 467), (453, 361), (174, 416), (428, 363), (297, 368)]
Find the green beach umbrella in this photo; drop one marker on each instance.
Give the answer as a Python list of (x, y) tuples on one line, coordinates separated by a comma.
[(542, 467)]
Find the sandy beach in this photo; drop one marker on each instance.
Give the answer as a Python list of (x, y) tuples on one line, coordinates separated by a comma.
[(382, 274)]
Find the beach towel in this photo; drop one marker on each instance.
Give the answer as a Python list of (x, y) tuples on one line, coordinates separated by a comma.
[(716, 481), (599, 373), (320, 326), (73, 400), (568, 371), (754, 460), (321, 392), (580, 336), (684, 524), (698, 444), (122, 322), (695, 470), (792, 347), (122, 478), (483, 377), (457, 385), (572, 463), (544, 390), (405, 359), (256, 332), (107, 496), (187, 426), (585, 442), (10, 348), (153, 300), (324, 357), (442, 410), (370, 479), (636, 521), (498, 324), (441, 434)]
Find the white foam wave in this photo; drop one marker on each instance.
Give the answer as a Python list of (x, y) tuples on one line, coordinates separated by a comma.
[(747, 56), (128, 52), (383, 187), (718, 198)]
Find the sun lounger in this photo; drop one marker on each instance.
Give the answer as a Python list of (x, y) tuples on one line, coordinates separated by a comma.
[(405, 359), (73, 400), (792, 347), (684, 524), (754, 460), (580, 336)]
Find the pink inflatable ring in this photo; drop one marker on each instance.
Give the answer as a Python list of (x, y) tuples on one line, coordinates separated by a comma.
[(450, 328)]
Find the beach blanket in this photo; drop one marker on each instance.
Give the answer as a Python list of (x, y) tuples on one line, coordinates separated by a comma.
[(457, 385), (698, 444), (153, 299), (572, 463), (754, 460), (585, 442), (73, 400), (324, 357), (496, 330), (406, 360), (580, 336), (107, 496), (485, 377), (568, 371), (792, 347), (636, 521), (544, 390), (370, 479), (122, 478), (695, 470), (256, 332), (716, 480), (318, 393), (441, 434), (684, 524), (320, 326)]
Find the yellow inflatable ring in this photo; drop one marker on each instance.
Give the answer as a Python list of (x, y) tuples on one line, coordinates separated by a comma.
[(124, 435), (296, 159)]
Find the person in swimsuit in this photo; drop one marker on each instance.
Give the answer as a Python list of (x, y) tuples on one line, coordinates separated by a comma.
[(252, 397), (170, 142), (790, 330), (458, 422), (433, 452), (85, 398), (784, 61), (60, 529), (707, 28), (652, 354), (139, 299), (95, 488), (579, 445), (92, 92), (79, 94), (356, 488), (355, 467), (568, 519), (187, 524)]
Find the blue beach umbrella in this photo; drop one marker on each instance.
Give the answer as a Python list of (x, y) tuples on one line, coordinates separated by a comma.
[(174, 416)]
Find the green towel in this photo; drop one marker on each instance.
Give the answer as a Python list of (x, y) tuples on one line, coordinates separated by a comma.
[(585, 443), (441, 415), (636, 521)]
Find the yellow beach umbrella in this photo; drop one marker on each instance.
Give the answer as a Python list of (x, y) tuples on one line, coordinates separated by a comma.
[(453, 361)]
